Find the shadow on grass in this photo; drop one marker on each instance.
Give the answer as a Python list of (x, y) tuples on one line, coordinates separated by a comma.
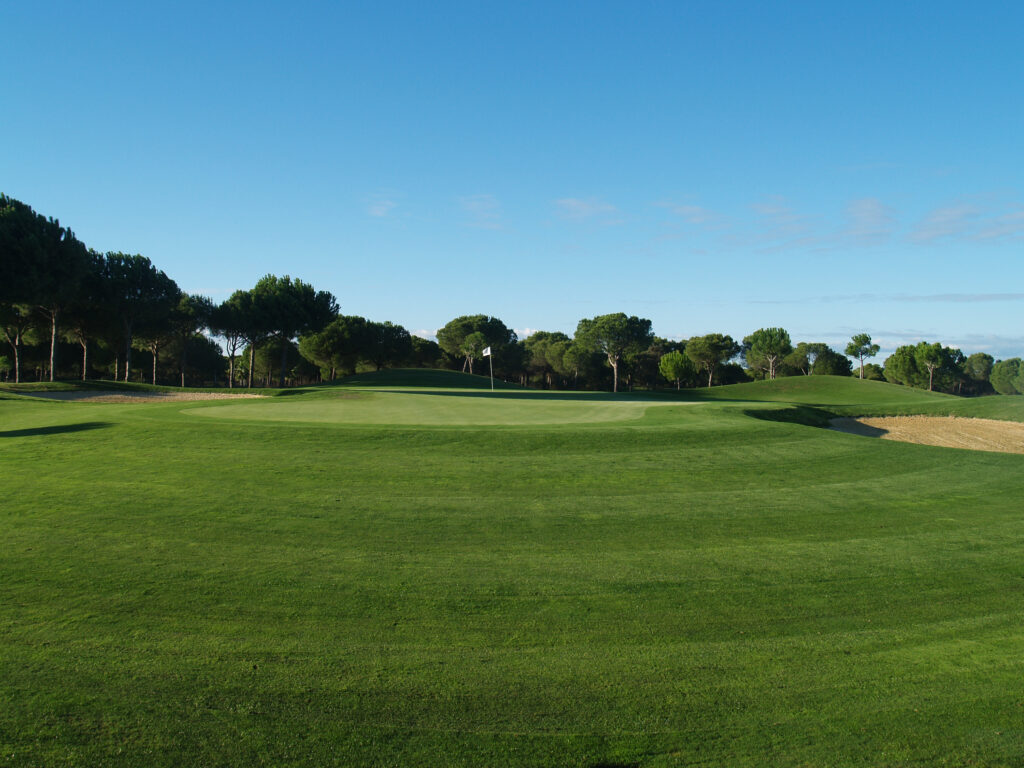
[(797, 414), (854, 427), (55, 430)]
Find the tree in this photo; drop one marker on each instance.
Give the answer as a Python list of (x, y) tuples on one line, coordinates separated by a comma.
[(765, 349), (1005, 376), (644, 366), (190, 316), (901, 367), (140, 295), (425, 353), (473, 345), (59, 277), (710, 351), (555, 354), (614, 335), (88, 317), (929, 357), (831, 363), (205, 357), (339, 345), (496, 335), (979, 366), (576, 360), (925, 365), (860, 347), (977, 369), (675, 366), (288, 308), (387, 344), (228, 320), (154, 338), (15, 321), (540, 355), (20, 251), (805, 355), (872, 372), (43, 264)]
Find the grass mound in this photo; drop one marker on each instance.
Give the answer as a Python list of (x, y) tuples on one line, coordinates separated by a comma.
[(826, 390)]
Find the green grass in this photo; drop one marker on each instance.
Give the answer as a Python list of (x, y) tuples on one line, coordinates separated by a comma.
[(689, 584)]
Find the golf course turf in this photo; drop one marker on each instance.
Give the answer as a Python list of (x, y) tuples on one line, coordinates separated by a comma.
[(405, 569)]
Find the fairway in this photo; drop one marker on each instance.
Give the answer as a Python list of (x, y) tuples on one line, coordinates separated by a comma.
[(442, 407), (375, 574)]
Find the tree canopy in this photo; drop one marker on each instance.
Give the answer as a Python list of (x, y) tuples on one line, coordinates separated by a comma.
[(458, 340), (614, 335), (289, 308), (710, 351), (861, 347), (765, 348)]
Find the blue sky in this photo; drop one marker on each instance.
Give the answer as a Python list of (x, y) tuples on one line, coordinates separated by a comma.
[(830, 168)]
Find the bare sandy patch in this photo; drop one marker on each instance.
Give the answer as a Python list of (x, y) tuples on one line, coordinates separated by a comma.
[(101, 396), (944, 431)]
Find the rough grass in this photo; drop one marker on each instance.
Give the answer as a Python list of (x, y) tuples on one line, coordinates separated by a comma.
[(693, 587)]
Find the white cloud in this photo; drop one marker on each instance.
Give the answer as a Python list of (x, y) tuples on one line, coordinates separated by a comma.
[(1009, 225), (423, 333), (484, 211), (899, 298), (780, 227), (522, 333), (947, 222), (871, 222), (381, 208), (695, 214), (578, 209), (780, 219)]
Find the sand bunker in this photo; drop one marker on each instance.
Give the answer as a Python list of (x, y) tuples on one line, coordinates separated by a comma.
[(945, 431), (108, 396)]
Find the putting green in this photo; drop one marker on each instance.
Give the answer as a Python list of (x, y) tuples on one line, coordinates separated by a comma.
[(459, 407)]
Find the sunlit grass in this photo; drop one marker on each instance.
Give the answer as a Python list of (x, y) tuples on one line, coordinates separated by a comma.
[(689, 585)]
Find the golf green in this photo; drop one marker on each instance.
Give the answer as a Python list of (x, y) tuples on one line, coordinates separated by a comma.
[(440, 408)]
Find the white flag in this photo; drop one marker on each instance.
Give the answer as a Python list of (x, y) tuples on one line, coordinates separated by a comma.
[(486, 352)]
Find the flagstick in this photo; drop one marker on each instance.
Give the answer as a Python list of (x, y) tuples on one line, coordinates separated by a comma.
[(490, 360)]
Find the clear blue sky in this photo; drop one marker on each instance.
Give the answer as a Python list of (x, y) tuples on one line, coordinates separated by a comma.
[(714, 166)]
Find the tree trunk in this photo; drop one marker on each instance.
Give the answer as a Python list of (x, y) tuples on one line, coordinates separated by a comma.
[(156, 354), (284, 359), (53, 339), (711, 372), (862, 367), (231, 372), (931, 374), (17, 365), (252, 352), (127, 351), (85, 356), (615, 374)]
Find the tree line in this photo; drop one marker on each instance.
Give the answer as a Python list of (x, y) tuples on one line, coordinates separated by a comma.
[(129, 321)]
